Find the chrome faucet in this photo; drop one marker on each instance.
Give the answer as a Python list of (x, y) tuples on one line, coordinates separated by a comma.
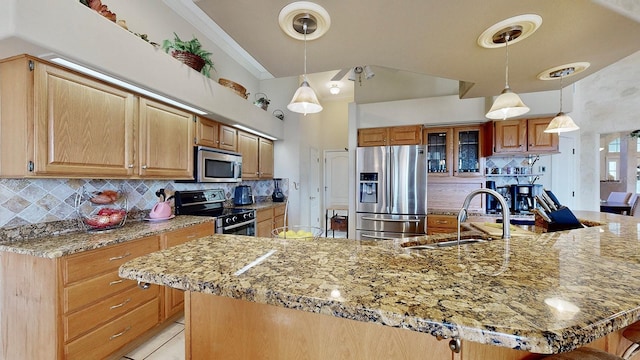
[(462, 215)]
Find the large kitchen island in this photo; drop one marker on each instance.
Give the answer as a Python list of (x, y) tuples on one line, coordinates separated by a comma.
[(536, 294)]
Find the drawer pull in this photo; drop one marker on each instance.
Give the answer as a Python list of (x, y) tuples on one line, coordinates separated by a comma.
[(191, 236), (116, 282), (441, 221), (120, 257), (120, 305), (143, 285), (120, 333)]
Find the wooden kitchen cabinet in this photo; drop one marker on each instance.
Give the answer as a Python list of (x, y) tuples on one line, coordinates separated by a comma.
[(213, 134), (538, 140), (102, 312), (269, 219), (75, 126), (76, 306), (174, 298), (396, 135), (441, 224), (523, 136), (257, 156), (54, 122), (166, 134), (454, 151), (264, 222)]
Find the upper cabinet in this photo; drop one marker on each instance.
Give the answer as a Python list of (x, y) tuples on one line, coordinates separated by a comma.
[(165, 139), (213, 134), (57, 123), (454, 151), (396, 135), (523, 136), (257, 156)]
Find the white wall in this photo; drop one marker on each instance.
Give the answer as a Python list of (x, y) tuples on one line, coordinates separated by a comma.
[(607, 101)]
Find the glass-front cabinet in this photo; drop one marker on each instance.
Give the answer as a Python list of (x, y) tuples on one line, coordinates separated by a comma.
[(467, 150), (454, 151), (439, 143)]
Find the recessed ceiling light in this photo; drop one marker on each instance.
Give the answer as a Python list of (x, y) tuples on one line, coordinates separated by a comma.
[(527, 25)]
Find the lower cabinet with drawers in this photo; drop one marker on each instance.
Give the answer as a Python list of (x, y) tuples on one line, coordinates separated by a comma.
[(77, 307)]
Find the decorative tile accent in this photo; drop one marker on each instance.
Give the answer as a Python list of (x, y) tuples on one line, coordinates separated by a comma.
[(34, 201)]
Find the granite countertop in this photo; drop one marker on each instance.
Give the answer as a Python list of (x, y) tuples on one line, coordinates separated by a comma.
[(260, 205), (545, 293), (61, 245)]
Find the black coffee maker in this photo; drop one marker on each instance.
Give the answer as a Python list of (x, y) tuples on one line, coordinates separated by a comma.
[(277, 195), (522, 197)]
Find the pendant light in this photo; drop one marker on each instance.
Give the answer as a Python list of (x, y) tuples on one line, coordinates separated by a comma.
[(304, 100), (562, 122), (508, 104)]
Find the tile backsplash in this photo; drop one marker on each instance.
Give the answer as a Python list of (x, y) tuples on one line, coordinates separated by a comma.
[(33, 201)]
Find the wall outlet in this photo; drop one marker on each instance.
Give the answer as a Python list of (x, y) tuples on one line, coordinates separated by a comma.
[(542, 169)]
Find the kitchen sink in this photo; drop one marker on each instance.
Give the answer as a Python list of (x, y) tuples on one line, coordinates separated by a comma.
[(444, 244)]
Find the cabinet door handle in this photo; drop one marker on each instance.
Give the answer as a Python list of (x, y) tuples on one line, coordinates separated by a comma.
[(144, 166), (143, 285), (116, 282), (120, 305), (120, 257), (130, 166), (120, 333)]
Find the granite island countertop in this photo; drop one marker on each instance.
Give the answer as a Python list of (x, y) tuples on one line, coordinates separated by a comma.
[(547, 293), (78, 241)]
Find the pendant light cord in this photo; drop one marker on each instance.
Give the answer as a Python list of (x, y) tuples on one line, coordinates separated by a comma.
[(506, 71), (561, 76), (304, 29)]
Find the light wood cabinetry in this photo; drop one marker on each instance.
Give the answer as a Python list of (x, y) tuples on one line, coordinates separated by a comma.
[(396, 135), (523, 136), (174, 298), (213, 134), (269, 219), (58, 123), (455, 151), (118, 311), (439, 224), (76, 306), (165, 148), (257, 156)]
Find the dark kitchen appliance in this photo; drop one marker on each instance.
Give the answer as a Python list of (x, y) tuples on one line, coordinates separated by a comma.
[(391, 191), (242, 195), (523, 197), (235, 221), (492, 202), (277, 195)]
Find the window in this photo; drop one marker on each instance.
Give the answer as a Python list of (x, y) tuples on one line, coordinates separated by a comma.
[(614, 146)]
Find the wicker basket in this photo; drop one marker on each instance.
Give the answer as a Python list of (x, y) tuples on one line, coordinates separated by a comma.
[(193, 61), (237, 88)]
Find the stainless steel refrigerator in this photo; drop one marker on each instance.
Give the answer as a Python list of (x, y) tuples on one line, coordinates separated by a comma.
[(391, 192)]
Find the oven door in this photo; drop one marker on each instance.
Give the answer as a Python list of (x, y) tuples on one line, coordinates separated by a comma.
[(217, 166), (247, 228)]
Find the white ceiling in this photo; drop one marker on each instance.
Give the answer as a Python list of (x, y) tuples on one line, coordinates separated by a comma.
[(436, 38)]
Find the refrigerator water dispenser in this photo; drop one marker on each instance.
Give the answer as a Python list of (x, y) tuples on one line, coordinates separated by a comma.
[(369, 187)]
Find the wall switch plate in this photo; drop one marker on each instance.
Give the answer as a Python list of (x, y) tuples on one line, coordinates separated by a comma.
[(543, 169)]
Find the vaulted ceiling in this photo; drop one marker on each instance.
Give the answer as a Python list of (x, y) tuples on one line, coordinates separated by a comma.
[(438, 38)]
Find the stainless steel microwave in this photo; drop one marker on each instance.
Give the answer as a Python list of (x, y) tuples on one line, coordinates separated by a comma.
[(214, 165)]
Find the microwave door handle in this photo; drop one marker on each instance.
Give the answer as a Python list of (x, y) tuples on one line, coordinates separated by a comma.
[(237, 169)]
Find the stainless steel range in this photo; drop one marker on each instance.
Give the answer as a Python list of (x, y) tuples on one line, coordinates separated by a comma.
[(236, 221)]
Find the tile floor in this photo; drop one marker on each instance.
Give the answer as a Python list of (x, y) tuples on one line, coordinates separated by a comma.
[(167, 345)]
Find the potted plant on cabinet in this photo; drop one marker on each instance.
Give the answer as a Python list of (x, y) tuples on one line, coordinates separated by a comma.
[(190, 53)]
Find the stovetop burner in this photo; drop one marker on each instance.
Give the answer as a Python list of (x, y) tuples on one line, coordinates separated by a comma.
[(210, 203)]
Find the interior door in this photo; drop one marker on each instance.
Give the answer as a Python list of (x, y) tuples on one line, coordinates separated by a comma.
[(314, 187), (563, 174), (336, 169)]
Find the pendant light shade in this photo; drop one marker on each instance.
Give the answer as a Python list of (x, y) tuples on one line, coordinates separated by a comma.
[(508, 104), (304, 100), (562, 122)]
